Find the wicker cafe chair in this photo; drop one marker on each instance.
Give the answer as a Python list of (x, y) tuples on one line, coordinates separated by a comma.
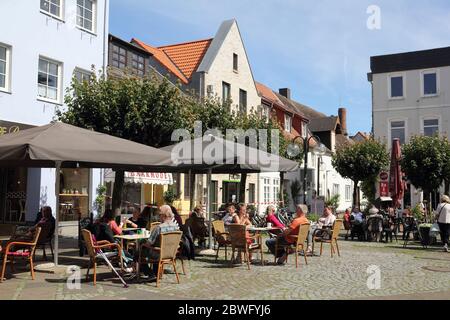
[(221, 236), (93, 251), (152, 225), (333, 238), (298, 246), (170, 243), (20, 249), (239, 241)]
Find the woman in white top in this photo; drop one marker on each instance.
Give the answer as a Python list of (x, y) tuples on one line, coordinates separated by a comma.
[(443, 218)]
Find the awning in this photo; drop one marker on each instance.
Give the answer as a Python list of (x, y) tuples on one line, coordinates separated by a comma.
[(142, 177)]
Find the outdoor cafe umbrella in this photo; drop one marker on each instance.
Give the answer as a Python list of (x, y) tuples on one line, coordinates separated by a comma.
[(211, 154), (396, 182), (60, 145)]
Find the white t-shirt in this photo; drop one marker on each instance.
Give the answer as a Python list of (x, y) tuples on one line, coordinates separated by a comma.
[(443, 210)]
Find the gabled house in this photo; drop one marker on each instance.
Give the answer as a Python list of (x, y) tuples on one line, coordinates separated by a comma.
[(217, 67), (323, 180)]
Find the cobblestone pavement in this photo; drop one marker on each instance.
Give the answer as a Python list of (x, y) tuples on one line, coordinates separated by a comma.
[(412, 272)]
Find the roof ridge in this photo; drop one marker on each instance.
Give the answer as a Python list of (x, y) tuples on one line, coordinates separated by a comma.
[(183, 43)]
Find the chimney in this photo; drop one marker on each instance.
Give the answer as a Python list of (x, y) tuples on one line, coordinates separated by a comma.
[(343, 120), (285, 92)]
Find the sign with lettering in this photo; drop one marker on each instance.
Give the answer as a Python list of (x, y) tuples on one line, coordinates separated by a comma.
[(7, 127), (384, 189)]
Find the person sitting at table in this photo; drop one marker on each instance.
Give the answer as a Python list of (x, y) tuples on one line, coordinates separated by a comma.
[(230, 215), (197, 223), (136, 221), (326, 220), (109, 219), (166, 217), (272, 218), (242, 216), (288, 236)]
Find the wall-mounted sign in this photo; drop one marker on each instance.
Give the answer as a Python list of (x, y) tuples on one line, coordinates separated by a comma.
[(384, 189), (384, 176)]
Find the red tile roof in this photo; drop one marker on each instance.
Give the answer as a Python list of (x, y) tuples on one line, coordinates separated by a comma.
[(180, 59), (187, 56)]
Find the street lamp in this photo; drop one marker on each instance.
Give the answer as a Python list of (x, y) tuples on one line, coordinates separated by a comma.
[(294, 149)]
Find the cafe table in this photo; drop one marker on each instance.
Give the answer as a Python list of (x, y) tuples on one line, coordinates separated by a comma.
[(136, 238), (258, 231), (4, 238)]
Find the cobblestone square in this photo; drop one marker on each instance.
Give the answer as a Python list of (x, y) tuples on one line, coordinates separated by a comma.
[(411, 273)]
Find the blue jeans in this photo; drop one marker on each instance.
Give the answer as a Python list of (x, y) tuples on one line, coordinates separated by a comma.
[(270, 243)]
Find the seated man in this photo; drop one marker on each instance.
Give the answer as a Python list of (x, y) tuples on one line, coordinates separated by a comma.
[(327, 220), (198, 226), (358, 224), (148, 248), (286, 238), (231, 214)]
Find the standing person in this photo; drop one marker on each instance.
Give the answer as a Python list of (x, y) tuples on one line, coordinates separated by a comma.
[(443, 218), (286, 238)]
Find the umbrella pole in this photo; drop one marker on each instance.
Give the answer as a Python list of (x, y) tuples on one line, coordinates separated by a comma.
[(57, 187), (208, 193)]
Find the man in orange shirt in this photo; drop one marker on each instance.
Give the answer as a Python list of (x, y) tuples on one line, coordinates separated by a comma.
[(287, 236)]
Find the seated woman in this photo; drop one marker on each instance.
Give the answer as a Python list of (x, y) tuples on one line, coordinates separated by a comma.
[(109, 219), (272, 218), (137, 220), (46, 223)]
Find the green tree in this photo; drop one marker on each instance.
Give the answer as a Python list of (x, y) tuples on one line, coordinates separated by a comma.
[(426, 162), (142, 110), (360, 162)]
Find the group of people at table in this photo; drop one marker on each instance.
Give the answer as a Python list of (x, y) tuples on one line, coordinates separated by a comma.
[(285, 235)]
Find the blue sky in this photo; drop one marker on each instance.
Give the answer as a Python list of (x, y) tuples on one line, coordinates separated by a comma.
[(319, 49)]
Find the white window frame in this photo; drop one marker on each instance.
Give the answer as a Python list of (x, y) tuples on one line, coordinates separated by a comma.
[(348, 192), (82, 71), (304, 129), (61, 11), (8, 68), (276, 190), (422, 83), (430, 117), (266, 189), (390, 129), (336, 187), (59, 90), (395, 75), (287, 120), (94, 18)]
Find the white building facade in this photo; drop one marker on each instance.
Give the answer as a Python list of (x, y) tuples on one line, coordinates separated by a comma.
[(56, 40), (411, 96)]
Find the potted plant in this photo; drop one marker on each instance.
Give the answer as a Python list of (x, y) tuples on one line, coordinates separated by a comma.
[(424, 230), (170, 196)]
